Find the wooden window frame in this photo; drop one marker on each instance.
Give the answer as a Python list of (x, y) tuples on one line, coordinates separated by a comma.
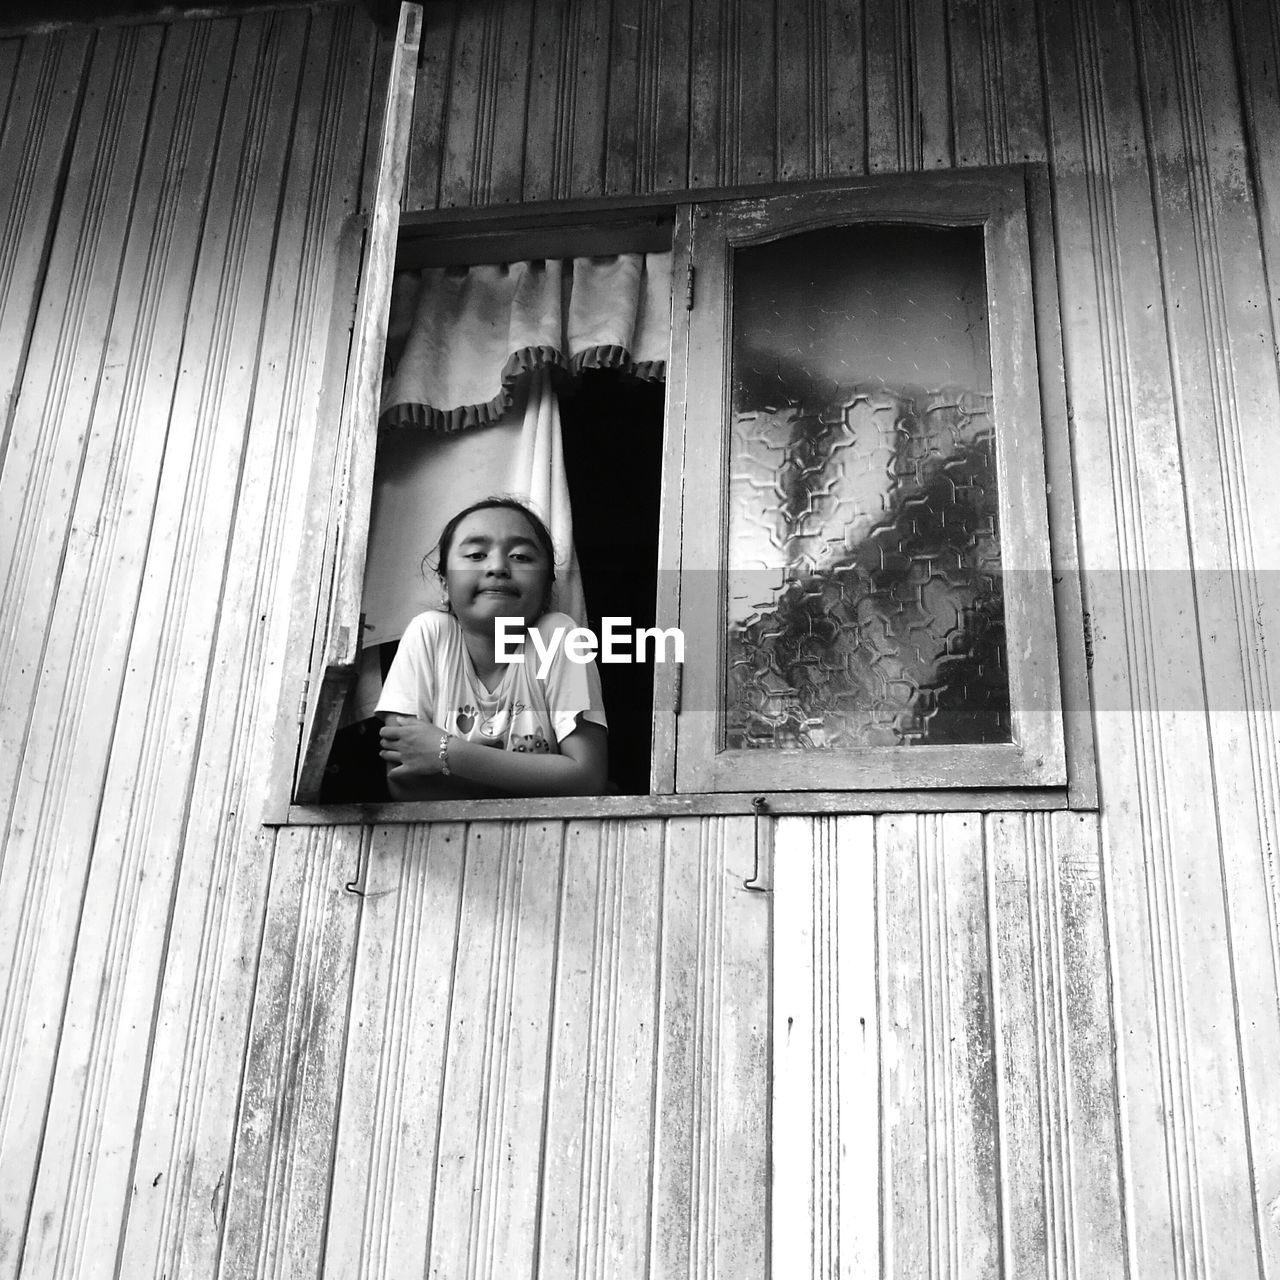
[(343, 483), (995, 203)]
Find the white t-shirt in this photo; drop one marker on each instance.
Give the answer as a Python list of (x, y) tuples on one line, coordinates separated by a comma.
[(433, 678)]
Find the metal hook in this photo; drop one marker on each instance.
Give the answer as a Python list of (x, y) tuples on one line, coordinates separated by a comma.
[(353, 885), (760, 805)]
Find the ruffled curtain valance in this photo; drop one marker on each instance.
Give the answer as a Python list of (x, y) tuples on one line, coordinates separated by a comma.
[(461, 339)]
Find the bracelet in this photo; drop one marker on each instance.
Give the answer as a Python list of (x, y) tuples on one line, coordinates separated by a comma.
[(444, 755)]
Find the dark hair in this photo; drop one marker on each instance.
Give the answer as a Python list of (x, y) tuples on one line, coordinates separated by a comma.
[(541, 533)]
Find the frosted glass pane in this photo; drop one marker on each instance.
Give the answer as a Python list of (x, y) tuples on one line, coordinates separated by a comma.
[(864, 590)]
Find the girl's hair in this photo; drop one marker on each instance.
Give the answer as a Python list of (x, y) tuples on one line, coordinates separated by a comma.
[(542, 535)]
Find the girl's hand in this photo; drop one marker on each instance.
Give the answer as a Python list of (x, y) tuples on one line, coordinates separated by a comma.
[(411, 747)]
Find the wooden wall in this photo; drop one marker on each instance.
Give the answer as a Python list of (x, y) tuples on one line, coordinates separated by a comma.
[(1012, 1045)]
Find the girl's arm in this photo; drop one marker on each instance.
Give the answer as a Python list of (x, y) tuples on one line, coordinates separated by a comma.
[(411, 748)]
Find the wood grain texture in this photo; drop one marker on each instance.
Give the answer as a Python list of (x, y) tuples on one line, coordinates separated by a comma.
[(385, 1164), (825, 1141), (1062, 1213), (637, 69), (941, 1199), (272, 1206), (998, 107), (335, 657), (1255, 33), (45, 449), (40, 910), (568, 73), (431, 105), (1107, 1104), (488, 97), (1214, 281), (275, 255), (713, 54), (1179, 1070), (708, 1214), (597, 1159), (40, 81), (121, 935), (484, 1205)]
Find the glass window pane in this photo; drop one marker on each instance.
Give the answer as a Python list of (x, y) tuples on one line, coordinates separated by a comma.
[(864, 593)]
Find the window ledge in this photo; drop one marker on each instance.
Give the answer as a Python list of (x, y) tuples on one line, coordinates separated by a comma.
[(939, 800)]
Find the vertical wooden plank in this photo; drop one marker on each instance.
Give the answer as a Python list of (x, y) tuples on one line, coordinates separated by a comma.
[(431, 105), (997, 99), (671, 146), (755, 84), (233, 492), (978, 83), (590, 26), (942, 1193), (709, 1210), (564, 144), (932, 71), (1081, 933), (1224, 374), (41, 77), (894, 141), (846, 135), (1256, 30), (825, 1137), (1054, 1046), (905, 1229), (468, 124), (100, 1064), (909, 116), (648, 97), (804, 73), (488, 99), (802, 1194), (40, 907), (1181, 1113), (275, 1200), (1256, 33), (484, 1204), (50, 427), (393, 1078), (10, 52), (1016, 37), (596, 1171), (629, 60), (546, 148), (713, 103)]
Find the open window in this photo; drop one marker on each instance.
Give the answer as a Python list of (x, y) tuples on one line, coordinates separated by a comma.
[(848, 513)]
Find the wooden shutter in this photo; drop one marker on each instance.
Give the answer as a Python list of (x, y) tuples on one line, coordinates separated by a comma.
[(338, 632)]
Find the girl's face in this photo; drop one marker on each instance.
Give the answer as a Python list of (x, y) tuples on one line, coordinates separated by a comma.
[(495, 568)]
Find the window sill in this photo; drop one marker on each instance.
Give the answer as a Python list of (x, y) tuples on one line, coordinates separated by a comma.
[(685, 806)]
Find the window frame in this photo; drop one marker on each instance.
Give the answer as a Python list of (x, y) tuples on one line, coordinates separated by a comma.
[(993, 201), (327, 619)]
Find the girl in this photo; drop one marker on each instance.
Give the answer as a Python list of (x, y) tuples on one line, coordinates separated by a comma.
[(460, 723)]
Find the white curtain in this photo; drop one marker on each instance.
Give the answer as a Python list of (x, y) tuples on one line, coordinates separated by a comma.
[(473, 351)]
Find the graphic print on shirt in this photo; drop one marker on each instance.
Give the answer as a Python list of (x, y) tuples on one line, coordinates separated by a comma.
[(517, 728)]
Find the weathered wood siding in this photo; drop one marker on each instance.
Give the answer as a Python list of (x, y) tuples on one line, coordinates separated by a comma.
[(1015, 1045)]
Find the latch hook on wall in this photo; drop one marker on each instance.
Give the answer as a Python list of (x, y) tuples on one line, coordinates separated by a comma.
[(760, 806)]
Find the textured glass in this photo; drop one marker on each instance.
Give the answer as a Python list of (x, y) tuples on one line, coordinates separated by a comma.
[(864, 596)]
